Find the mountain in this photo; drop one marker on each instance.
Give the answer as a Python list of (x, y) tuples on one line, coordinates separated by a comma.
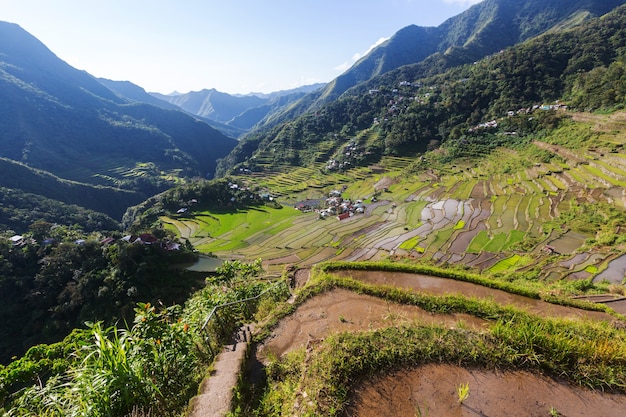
[(134, 93), (483, 29), (58, 119), (405, 113), (212, 104), (417, 52), (239, 112)]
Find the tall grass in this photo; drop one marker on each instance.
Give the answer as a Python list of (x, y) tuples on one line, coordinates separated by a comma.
[(150, 366)]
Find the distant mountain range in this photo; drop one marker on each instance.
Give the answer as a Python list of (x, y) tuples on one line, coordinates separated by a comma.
[(232, 114), (239, 111), (119, 144)]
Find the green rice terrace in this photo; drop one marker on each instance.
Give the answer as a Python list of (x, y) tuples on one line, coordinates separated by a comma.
[(443, 286), (551, 209), (426, 286)]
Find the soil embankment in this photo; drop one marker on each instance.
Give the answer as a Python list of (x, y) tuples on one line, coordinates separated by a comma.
[(431, 390)]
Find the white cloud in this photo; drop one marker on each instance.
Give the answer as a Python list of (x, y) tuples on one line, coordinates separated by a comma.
[(346, 65)]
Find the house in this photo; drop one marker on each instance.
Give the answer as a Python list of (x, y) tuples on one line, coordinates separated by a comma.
[(550, 250), (172, 246), (17, 240), (344, 216), (146, 239)]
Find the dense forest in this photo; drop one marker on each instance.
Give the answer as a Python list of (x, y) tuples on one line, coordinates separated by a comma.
[(55, 278)]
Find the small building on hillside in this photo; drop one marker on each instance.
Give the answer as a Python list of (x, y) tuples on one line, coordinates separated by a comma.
[(17, 240)]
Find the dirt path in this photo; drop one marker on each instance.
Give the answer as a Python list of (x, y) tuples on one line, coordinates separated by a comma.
[(216, 391)]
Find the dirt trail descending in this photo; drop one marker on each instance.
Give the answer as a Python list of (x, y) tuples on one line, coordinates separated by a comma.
[(216, 391)]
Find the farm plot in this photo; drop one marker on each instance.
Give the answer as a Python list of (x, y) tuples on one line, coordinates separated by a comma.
[(521, 213), (600, 176), (184, 228), (508, 219), (506, 264), (436, 242), (612, 170), (231, 230), (464, 189), (495, 222), (615, 271)]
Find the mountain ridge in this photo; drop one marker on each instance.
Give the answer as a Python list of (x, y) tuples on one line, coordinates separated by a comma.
[(235, 112), (56, 118), (480, 31)]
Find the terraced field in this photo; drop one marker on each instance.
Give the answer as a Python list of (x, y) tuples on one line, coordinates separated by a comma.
[(474, 213), (357, 309)]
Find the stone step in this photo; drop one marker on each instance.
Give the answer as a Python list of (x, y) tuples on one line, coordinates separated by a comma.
[(216, 390)]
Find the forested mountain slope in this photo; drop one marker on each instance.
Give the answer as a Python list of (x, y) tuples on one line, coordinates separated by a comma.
[(401, 112), (56, 118), (483, 29)]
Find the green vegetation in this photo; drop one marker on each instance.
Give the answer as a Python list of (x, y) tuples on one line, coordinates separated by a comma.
[(58, 278), (514, 340), (152, 367), (461, 174), (463, 392), (19, 210)]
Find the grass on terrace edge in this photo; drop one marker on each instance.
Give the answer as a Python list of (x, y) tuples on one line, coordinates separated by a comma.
[(588, 353)]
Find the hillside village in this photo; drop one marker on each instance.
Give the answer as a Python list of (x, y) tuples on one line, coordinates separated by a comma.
[(415, 237)]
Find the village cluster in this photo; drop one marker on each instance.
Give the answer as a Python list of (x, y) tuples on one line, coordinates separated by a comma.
[(492, 124), (349, 154), (334, 205), (146, 239)]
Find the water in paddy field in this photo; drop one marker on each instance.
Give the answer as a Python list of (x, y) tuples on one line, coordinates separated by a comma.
[(206, 264), (615, 272)]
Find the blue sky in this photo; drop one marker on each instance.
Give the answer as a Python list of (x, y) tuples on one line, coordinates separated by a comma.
[(235, 46)]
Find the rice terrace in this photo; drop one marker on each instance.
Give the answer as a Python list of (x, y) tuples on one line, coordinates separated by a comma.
[(440, 230), (491, 286)]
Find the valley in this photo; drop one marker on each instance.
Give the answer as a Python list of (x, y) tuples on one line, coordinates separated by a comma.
[(438, 231), (469, 214)]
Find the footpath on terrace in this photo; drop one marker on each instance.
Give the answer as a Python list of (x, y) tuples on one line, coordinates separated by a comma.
[(216, 391)]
